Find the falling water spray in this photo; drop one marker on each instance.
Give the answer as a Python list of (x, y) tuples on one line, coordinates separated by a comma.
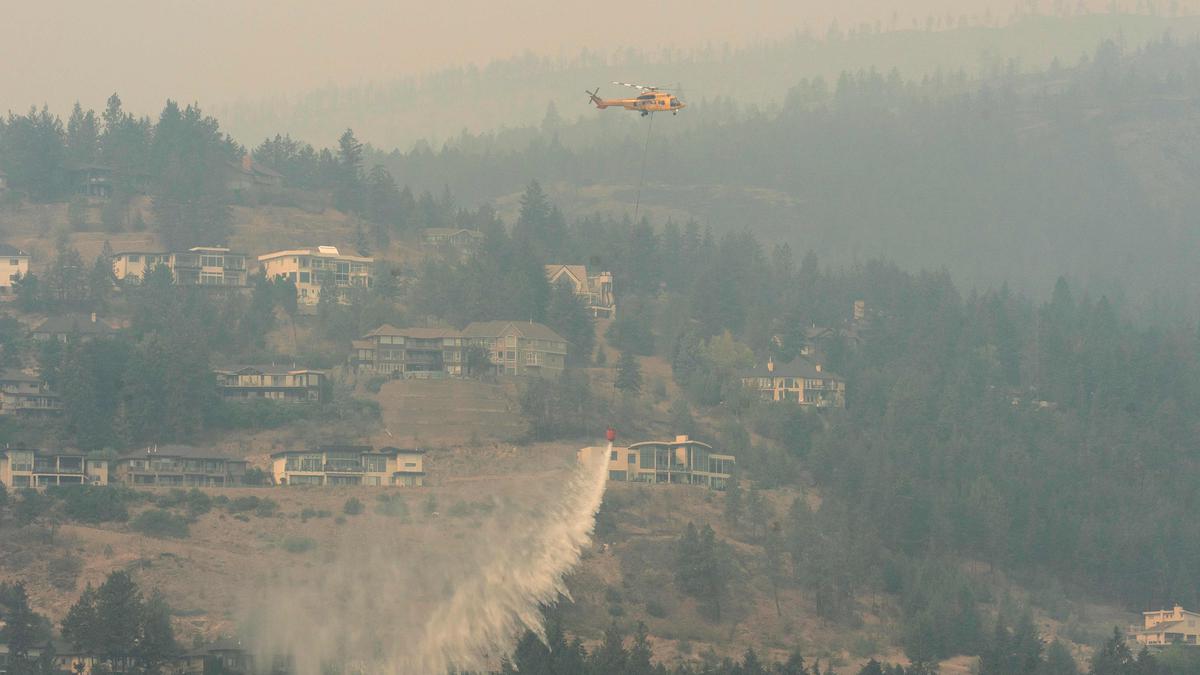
[(362, 610)]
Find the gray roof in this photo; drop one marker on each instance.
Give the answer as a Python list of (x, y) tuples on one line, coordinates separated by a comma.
[(800, 367), (266, 370), (493, 329), (74, 324), (185, 451), (7, 250)]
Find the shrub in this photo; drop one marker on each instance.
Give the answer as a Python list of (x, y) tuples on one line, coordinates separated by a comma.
[(32, 505), (63, 571), (655, 609), (612, 595), (297, 544), (353, 507), (264, 507), (375, 383), (93, 504), (392, 505), (160, 523), (198, 502)]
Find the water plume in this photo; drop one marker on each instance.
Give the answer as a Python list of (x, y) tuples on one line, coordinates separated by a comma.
[(382, 605)]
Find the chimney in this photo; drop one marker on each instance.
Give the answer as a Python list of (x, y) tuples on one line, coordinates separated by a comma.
[(770, 365), (247, 162)]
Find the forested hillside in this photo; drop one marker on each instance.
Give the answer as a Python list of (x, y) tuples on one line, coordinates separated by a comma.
[(1080, 171), (439, 106)]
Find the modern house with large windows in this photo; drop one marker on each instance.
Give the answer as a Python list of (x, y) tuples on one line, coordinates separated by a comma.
[(1168, 627), (33, 468), (595, 289), (682, 461), (278, 383), (206, 266), (178, 466), (349, 465), (305, 267)]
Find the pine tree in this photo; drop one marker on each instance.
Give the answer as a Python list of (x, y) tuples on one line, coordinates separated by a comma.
[(347, 194), (20, 623), (569, 316), (611, 656), (629, 374), (639, 656), (733, 501)]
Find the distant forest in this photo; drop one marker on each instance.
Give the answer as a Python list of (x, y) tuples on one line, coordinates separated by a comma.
[(1082, 171)]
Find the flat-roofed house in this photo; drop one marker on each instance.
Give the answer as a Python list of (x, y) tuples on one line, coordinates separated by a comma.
[(596, 290), (306, 266), (279, 383), (682, 461), (23, 394), (178, 466), (349, 465), (32, 467), (1168, 627), (800, 381), (14, 264), (519, 347), (72, 327), (411, 352), (207, 266)]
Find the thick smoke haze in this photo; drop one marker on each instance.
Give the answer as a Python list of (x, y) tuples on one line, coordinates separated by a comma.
[(218, 51)]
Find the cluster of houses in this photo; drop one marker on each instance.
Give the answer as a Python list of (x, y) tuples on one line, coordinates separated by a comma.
[(511, 348), (186, 466)]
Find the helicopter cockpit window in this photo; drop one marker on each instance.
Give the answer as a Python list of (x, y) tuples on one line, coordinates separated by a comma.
[(674, 102)]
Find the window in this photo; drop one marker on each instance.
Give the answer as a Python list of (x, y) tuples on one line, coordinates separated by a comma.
[(613, 457), (292, 277), (132, 259), (410, 465), (212, 261), (304, 277), (304, 263), (374, 464), (632, 458), (531, 358)]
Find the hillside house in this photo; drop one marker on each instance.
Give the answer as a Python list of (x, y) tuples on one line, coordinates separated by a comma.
[(14, 264), (277, 383), (32, 467), (519, 347), (410, 352), (682, 461), (1169, 627), (801, 381), (349, 465), (462, 239), (305, 267), (22, 394), (177, 466), (91, 180), (73, 327), (198, 266), (248, 176), (596, 290)]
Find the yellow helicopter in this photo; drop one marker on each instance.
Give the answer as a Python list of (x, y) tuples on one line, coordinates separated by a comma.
[(651, 99)]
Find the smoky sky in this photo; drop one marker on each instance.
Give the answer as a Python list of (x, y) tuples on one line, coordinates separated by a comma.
[(219, 51)]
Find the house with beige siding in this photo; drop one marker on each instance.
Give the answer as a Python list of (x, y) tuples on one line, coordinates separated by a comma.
[(1168, 627), (14, 264), (800, 381), (595, 289), (68, 328), (349, 465), (34, 468), (411, 352), (207, 266), (519, 347), (277, 383), (305, 267)]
